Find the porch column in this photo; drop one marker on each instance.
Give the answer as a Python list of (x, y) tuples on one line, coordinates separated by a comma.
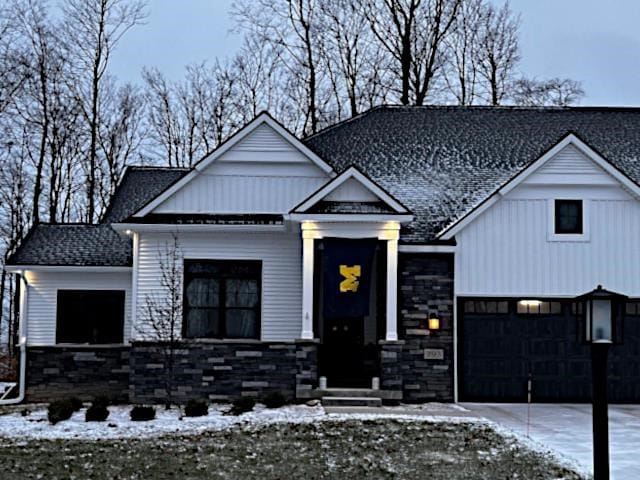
[(392, 289), (307, 286)]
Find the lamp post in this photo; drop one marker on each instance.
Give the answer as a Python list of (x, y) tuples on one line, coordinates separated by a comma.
[(602, 315)]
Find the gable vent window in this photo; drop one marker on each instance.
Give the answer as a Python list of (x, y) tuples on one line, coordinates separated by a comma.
[(222, 299), (568, 217)]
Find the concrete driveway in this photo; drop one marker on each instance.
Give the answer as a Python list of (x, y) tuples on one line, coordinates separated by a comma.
[(566, 429)]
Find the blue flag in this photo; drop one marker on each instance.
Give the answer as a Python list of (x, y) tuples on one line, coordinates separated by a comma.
[(347, 269)]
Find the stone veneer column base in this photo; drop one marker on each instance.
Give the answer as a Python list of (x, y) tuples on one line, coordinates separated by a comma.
[(425, 289)]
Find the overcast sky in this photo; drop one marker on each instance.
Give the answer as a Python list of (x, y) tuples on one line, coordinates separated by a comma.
[(594, 41)]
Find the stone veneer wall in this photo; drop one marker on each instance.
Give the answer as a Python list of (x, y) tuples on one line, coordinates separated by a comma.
[(425, 289), (85, 372), (222, 371)]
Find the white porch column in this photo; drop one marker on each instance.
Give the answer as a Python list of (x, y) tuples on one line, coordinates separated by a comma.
[(392, 290), (307, 286)]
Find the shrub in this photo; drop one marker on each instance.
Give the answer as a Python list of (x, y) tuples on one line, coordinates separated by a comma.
[(196, 408), (274, 400), (142, 414), (96, 413), (241, 405), (76, 403), (59, 411)]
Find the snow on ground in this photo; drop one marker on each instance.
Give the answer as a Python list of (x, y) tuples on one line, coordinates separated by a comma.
[(36, 426)]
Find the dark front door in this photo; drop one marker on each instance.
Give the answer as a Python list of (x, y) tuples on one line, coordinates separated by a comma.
[(343, 354)]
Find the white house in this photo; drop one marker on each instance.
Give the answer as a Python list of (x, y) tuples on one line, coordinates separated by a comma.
[(435, 249)]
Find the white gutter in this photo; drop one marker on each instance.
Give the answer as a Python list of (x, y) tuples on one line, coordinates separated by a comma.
[(22, 329)]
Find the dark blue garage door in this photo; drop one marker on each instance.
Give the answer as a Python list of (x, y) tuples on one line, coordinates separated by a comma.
[(502, 342)]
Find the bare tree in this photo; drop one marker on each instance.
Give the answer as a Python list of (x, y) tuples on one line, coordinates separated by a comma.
[(461, 75), (352, 56), (554, 91), (499, 51), (120, 136), (93, 29), (293, 26), (164, 311)]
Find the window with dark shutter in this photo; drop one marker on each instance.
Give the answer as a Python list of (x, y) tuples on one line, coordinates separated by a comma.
[(222, 299)]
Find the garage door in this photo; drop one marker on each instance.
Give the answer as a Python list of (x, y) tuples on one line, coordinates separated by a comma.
[(502, 342)]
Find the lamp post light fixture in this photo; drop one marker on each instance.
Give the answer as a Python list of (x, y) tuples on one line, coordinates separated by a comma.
[(602, 316)]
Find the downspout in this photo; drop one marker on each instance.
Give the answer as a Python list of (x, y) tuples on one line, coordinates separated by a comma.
[(22, 343)]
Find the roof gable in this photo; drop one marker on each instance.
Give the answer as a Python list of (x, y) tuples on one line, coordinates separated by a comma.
[(262, 140), (350, 187), (548, 166)]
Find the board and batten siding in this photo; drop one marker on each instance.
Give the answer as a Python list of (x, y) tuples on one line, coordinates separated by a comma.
[(509, 249), (280, 254), (262, 174), (43, 296)]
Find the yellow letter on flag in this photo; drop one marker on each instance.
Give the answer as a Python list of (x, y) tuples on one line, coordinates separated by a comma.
[(351, 276)]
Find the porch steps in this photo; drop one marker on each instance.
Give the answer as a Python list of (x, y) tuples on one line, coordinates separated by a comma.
[(334, 401), (351, 392)]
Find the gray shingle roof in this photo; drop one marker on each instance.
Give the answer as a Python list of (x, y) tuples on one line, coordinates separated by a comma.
[(74, 245), (443, 161), (138, 187), (96, 245), (439, 161)]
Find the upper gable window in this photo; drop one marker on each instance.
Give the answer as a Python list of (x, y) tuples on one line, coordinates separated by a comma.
[(568, 217)]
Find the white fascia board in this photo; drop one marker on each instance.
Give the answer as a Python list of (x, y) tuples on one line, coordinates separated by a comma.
[(234, 140), (427, 248), (349, 217), (171, 227), (571, 139), (354, 173), (66, 268)]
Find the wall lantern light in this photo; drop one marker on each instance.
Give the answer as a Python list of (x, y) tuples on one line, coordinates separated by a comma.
[(433, 324)]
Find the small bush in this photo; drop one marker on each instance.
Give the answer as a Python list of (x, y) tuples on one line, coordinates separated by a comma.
[(96, 413), (142, 414), (274, 400), (196, 408), (241, 405), (59, 411), (76, 403)]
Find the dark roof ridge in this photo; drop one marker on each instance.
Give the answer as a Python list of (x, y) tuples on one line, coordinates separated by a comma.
[(594, 108), (156, 167)]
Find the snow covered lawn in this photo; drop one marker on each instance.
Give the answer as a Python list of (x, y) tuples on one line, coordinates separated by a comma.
[(290, 442)]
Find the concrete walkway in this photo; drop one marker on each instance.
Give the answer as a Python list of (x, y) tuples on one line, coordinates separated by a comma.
[(566, 429)]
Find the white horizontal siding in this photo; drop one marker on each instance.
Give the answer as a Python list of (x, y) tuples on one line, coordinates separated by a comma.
[(507, 251), (570, 166), (241, 194), (280, 253), (262, 173), (43, 292), (352, 191)]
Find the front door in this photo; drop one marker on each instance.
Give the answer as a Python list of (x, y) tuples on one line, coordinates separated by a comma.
[(343, 353)]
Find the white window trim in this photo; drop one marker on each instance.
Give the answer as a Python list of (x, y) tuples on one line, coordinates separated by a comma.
[(552, 236)]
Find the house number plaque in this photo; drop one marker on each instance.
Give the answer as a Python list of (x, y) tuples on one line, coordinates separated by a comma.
[(433, 354)]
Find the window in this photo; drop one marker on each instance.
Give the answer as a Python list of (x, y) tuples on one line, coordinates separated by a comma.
[(90, 316), (537, 307), (481, 306), (222, 299), (568, 217)]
